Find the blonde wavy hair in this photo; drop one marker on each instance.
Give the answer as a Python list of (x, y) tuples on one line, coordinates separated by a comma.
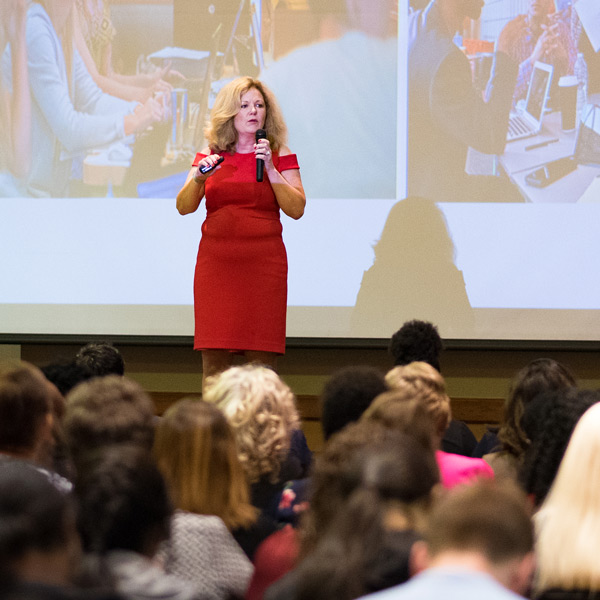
[(422, 382), (568, 523), (221, 133), (196, 452), (261, 410)]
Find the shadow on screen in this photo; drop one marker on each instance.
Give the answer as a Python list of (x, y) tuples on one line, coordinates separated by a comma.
[(413, 275)]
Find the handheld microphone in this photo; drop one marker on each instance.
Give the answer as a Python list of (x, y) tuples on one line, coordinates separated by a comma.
[(260, 163)]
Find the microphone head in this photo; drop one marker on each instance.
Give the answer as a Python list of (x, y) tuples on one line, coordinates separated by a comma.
[(261, 134)]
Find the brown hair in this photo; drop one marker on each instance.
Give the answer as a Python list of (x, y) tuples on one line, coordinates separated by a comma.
[(25, 402), (420, 381), (489, 517), (407, 415), (105, 411), (540, 375), (196, 452)]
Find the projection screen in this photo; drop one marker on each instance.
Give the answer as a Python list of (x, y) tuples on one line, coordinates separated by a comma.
[(92, 243)]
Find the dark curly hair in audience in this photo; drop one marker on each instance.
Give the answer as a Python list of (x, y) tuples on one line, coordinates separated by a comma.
[(416, 341), (100, 359), (563, 410), (346, 395), (355, 548), (540, 375)]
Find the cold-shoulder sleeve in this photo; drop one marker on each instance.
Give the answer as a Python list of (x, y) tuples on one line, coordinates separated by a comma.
[(289, 161), (198, 158)]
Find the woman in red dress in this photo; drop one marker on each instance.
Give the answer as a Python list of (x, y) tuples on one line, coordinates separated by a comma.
[(240, 283)]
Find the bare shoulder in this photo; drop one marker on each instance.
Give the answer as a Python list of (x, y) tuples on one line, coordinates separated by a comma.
[(205, 151), (284, 150)]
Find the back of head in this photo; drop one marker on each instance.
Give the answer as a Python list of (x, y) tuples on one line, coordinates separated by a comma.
[(123, 501), (25, 405), (346, 395), (34, 515), (261, 410), (353, 458), (407, 415), (420, 381), (543, 457), (385, 495), (491, 518), (540, 375), (100, 359), (65, 374), (569, 520), (416, 341), (196, 451), (105, 411)]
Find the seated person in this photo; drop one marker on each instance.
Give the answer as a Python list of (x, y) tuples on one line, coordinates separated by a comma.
[(15, 109), (71, 115)]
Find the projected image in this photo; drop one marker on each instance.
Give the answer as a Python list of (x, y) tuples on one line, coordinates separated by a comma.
[(484, 104), (120, 100), (419, 203)]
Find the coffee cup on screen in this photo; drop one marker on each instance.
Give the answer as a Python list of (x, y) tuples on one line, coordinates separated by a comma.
[(567, 86)]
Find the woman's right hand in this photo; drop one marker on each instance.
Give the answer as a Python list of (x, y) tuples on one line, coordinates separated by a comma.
[(207, 161)]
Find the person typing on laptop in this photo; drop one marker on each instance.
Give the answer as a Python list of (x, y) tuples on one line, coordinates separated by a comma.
[(540, 35), (446, 113)]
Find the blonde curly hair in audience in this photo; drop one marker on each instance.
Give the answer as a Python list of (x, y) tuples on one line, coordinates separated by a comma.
[(196, 452), (421, 380), (261, 409), (221, 133), (568, 523)]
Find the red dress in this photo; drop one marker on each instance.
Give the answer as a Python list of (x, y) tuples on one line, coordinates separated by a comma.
[(240, 283)]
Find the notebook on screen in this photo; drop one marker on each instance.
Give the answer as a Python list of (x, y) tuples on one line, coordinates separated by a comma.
[(528, 121)]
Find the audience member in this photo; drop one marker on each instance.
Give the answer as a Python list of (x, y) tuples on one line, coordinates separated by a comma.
[(416, 341), (507, 449), (408, 416), (65, 374), (422, 382), (105, 411), (568, 523), (100, 359), (39, 545), (15, 107), (196, 451), (346, 395), (542, 458), (540, 35), (371, 489), (420, 341), (261, 410), (446, 114), (71, 115), (478, 544), (27, 414), (124, 514)]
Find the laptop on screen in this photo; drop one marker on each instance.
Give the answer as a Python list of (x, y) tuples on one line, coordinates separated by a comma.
[(528, 121)]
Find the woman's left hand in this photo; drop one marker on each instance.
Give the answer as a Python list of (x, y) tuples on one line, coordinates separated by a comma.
[(262, 149)]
